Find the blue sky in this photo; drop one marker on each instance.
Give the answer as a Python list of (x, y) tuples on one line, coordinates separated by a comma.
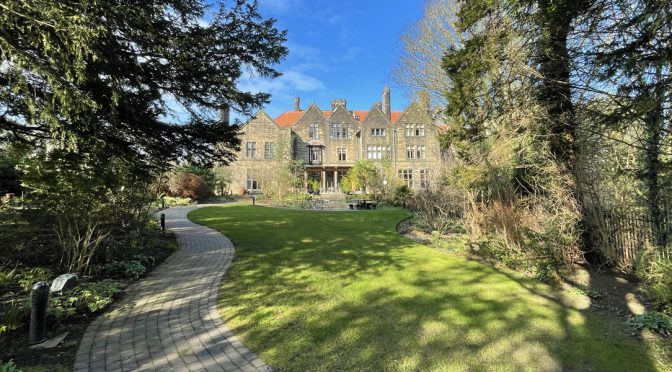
[(337, 49)]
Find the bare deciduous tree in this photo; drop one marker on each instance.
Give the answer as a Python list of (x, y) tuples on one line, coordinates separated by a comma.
[(425, 43)]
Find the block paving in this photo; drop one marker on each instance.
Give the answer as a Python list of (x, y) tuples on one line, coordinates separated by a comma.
[(169, 319)]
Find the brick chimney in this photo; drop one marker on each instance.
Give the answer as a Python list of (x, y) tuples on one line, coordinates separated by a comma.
[(297, 104), (224, 115), (386, 102)]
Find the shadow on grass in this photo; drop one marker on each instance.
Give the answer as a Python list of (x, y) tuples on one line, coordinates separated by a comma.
[(342, 290)]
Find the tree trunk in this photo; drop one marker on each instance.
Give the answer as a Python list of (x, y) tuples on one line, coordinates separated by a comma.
[(653, 122)]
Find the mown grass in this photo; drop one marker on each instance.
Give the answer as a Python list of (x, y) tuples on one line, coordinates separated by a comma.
[(314, 290)]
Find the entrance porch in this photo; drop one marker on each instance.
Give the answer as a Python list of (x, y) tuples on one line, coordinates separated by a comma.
[(328, 177)]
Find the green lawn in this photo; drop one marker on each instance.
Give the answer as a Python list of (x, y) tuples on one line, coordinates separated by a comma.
[(314, 290)]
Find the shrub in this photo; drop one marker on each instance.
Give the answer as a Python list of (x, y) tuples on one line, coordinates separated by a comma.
[(314, 186), (657, 322), (221, 199), (656, 273), (401, 195), (298, 200), (188, 185), (172, 201), (133, 268), (86, 297), (79, 239), (449, 245), (436, 208), (127, 269)]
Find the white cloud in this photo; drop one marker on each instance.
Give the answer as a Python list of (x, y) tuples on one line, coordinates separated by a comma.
[(290, 81), (301, 82)]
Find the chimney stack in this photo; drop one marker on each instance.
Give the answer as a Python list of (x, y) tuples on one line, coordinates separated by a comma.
[(297, 104), (336, 103), (425, 101), (386, 102), (224, 115)]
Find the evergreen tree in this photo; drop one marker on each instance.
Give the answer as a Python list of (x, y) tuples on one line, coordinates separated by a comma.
[(631, 49), (104, 75)]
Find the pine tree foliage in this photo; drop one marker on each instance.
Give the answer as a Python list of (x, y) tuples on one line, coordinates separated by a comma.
[(87, 75)]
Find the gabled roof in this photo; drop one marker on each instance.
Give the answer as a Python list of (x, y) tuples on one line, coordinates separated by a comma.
[(360, 115), (412, 107), (396, 115), (257, 115), (289, 118)]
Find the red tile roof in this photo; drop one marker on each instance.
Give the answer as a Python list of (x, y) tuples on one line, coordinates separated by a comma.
[(289, 118), (360, 115)]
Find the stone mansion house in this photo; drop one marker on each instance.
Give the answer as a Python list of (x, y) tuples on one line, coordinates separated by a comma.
[(330, 142)]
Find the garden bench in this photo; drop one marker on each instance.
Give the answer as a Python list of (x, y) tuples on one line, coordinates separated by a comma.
[(362, 204)]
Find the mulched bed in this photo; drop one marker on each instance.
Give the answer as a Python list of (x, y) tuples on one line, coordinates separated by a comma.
[(14, 344)]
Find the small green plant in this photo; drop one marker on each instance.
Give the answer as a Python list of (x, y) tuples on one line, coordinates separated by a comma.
[(36, 274), (21, 279), (8, 278), (545, 272), (86, 297), (583, 290), (657, 322), (13, 315), (125, 269), (145, 260), (8, 367)]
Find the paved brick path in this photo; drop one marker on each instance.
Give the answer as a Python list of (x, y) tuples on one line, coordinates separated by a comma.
[(169, 320)]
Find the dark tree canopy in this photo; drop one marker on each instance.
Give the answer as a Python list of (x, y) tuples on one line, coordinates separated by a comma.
[(91, 75)]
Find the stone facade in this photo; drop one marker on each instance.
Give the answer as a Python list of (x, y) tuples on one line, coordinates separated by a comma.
[(261, 142), (330, 142)]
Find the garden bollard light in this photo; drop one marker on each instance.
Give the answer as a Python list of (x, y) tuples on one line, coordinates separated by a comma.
[(254, 200), (39, 298), (163, 222), (163, 203)]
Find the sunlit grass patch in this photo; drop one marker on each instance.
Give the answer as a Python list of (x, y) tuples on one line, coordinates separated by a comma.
[(343, 291)]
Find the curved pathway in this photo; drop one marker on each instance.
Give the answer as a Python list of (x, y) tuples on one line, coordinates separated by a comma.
[(169, 319)]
